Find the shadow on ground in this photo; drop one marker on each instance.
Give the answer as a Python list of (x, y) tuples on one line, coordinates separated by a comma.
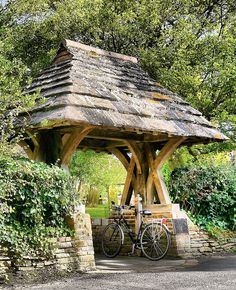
[(126, 264)]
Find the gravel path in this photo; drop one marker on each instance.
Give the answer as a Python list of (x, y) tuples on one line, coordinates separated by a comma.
[(139, 273)]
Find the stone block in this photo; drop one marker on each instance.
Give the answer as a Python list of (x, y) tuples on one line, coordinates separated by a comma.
[(26, 268), (105, 222), (80, 243), (205, 249), (87, 258), (67, 260), (63, 255), (65, 245), (49, 263), (97, 222)]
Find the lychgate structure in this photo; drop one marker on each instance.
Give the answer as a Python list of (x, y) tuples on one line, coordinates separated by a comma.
[(104, 101)]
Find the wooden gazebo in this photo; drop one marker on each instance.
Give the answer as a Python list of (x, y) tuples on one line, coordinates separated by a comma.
[(105, 101)]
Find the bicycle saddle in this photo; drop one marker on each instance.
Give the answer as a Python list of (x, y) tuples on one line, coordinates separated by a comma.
[(146, 212)]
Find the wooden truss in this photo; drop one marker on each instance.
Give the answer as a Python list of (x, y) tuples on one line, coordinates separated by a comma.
[(144, 171), (139, 158)]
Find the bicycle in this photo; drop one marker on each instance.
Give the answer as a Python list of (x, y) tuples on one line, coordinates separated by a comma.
[(153, 239)]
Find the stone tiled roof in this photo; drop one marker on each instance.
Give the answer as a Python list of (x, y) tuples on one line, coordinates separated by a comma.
[(87, 85)]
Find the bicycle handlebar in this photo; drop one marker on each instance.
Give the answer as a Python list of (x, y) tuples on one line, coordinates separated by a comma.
[(121, 207)]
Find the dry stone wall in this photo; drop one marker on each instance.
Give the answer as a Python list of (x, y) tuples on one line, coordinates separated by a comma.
[(201, 243), (69, 254)]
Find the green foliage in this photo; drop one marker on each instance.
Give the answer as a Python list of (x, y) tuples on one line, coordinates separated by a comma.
[(188, 46), (208, 192), (100, 211), (97, 172), (12, 101), (34, 199)]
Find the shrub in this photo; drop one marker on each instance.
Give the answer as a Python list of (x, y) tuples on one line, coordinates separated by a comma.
[(207, 192), (34, 199)]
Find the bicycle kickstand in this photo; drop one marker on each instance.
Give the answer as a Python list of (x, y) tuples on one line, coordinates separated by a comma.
[(132, 252)]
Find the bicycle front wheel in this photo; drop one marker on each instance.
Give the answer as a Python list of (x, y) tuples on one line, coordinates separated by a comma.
[(112, 240), (155, 241)]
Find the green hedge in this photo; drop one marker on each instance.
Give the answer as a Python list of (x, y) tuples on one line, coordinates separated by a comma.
[(34, 199), (207, 192)]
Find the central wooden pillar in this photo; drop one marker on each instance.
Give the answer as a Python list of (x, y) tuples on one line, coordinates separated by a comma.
[(144, 174)]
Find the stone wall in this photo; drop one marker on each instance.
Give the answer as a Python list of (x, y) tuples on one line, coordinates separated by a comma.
[(201, 243), (187, 240), (69, 254)]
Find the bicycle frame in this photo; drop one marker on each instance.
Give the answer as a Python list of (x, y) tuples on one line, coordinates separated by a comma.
[(121, 221)]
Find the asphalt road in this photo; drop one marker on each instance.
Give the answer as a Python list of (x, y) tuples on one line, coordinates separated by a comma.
[(140, 273)]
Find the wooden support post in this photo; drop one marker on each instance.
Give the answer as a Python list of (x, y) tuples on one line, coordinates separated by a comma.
[(155, 175)]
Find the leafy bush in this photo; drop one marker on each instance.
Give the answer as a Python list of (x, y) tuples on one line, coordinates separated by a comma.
[(34, 199), (207, 192)]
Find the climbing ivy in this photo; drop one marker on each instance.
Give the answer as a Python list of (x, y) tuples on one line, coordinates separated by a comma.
[(34, 200)]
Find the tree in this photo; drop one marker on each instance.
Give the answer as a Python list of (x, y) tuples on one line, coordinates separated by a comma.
[(98, 171), (12, 101), (188, 46)]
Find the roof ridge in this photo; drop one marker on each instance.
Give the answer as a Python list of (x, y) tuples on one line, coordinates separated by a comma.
[(69, 43)]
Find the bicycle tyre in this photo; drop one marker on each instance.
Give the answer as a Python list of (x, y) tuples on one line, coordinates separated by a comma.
[(112, 240), (155, 241)]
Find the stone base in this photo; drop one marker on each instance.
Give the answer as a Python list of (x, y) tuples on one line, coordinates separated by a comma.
[(164, 210), (187, 240)]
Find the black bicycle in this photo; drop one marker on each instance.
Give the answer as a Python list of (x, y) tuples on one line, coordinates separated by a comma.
[(153, 239)]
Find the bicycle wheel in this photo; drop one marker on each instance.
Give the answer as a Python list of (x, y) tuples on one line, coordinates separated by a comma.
[(112, 240), (155, 241)]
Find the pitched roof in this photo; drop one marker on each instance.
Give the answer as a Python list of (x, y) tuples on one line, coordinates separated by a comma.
[(87, 85)]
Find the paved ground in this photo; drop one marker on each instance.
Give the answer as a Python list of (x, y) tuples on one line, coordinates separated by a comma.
[(140, 273)]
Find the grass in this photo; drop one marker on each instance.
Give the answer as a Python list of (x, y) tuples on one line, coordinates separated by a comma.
[(100, 211)]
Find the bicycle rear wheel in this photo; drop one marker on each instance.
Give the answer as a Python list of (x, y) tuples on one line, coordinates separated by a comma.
[(155, 241), (112, 240)]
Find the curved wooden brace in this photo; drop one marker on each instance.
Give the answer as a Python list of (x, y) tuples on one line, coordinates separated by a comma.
[(167, 150), (27, 149), (72, 143), (155, 165), (125, 163), (136, 154), (32, 154), (120, 156)]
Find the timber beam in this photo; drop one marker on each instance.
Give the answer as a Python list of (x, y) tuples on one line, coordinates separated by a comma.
[(155, 165)]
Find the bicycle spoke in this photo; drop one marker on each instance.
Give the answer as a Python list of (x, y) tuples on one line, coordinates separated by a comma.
[(159, 248), (112, 240), (154, 241)]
